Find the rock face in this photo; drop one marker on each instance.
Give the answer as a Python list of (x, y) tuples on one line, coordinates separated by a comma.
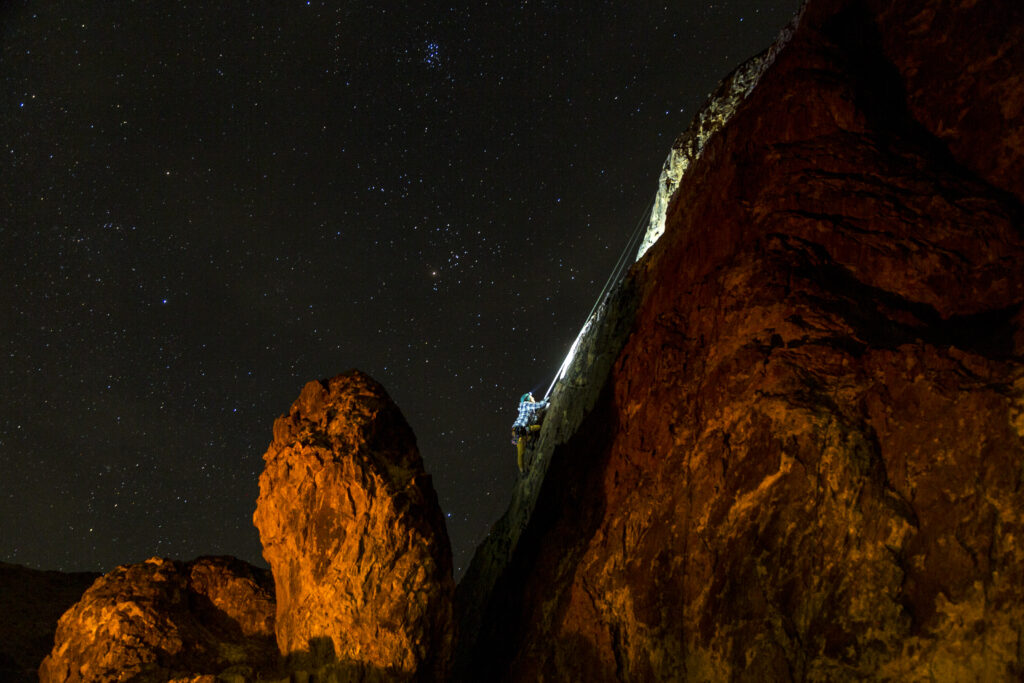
[(31, 602), (352, 530), (161, 620), (806, 461)]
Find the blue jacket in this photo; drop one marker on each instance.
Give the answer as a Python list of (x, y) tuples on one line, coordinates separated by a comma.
[(529, 414)]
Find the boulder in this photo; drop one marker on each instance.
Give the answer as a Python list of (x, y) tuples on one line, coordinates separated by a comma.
[(161, 620)]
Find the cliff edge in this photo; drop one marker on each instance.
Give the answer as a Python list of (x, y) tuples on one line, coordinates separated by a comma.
[(804, 462)]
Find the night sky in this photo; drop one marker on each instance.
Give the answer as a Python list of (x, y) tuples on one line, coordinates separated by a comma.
[(203, 206)]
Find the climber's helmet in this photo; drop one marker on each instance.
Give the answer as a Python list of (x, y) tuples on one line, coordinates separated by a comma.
[(526, 397)]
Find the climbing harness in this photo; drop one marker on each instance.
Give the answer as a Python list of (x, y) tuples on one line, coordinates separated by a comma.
[(621, 266)]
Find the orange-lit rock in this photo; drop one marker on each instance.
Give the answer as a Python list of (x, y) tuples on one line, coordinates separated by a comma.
[(161, 620), (806, 462), (352, 530)]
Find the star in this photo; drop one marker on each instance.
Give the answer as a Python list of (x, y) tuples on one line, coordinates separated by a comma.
[(322, 162)]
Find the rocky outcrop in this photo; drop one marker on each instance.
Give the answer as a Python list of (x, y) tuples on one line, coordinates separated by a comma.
[(361, 560), (806, 460), (354, 535), (161, 620), (31, 602)]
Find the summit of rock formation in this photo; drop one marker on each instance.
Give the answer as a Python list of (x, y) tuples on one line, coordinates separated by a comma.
[(803, 460), (161, 619), (355, 538)]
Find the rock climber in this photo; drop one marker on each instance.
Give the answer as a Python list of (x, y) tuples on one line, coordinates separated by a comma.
[(526, 426)]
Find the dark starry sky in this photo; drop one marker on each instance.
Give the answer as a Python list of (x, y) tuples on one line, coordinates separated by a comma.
[(204, 206)]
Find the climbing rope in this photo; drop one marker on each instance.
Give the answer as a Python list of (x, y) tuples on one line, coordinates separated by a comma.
[(621, 266)]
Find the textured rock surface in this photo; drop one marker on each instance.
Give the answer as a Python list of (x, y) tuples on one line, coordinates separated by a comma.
[(959, 63), (352, 530), (31, 602), (687, 148), (807, 460), (162, 620)]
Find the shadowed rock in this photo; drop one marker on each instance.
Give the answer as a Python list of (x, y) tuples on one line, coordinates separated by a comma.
[(352, 530), (31, 602)]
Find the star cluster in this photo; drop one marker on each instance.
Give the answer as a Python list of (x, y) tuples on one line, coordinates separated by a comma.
[(203, 208)]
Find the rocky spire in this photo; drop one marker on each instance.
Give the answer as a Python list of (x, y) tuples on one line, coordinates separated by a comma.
[(354, 535)]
